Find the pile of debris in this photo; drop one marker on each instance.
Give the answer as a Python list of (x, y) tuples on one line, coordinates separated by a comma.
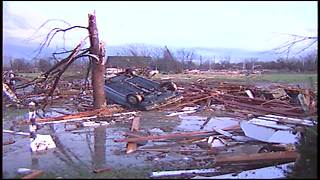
[(267, 122), (246, 99), (227, 145)]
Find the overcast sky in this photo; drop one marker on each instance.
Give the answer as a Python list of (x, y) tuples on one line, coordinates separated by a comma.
[(246, 25)]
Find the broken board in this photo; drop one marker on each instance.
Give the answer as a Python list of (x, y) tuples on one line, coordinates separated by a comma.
[(132, 146)]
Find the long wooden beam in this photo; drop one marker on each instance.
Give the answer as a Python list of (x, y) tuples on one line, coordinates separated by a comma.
[(167, 136), (102, 112), (257, 157)]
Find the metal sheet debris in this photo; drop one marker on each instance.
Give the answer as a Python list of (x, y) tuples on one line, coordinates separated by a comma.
[(266, 134)]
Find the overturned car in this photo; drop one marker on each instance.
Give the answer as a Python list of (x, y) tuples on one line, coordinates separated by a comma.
[(134, 91)]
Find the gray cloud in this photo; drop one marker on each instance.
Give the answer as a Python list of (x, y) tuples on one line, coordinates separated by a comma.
[(12, 21)]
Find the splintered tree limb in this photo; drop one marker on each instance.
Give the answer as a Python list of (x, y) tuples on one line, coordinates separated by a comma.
[(68, 61)]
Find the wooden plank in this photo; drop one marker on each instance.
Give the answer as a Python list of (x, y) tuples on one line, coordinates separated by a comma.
[(258, 157), (167, 136), (102, 112), (132, 146), (33, 175), (16, 133)]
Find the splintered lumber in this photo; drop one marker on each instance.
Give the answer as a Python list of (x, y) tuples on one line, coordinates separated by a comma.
[(258, 108), (197, 100), (33, 175), (167, 136), (132, 146), (257, 157), (102, 112)]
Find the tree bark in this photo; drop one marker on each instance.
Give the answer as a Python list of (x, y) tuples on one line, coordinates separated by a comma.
[(98, 68)]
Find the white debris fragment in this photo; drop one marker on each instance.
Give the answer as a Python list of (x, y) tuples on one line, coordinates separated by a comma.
[(179, 172), (271, 124), (271, 172), (267, 134), (42, 142), (94, 124), (24, 171), (249, 93), (183, 112), (190, 108)]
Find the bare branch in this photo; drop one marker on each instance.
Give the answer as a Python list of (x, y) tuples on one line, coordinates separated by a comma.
[(45, 23), (64, 52), (287, 47), (308, 46), (52, 33)]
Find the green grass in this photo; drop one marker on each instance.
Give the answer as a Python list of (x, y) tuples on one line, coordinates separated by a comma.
[(29, 75), (290, 78), (67, 75), (273, 78)]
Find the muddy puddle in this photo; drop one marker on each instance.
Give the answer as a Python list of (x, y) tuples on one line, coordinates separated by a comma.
[(81, 150)]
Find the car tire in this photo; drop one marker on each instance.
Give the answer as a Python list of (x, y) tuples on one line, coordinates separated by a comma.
[(131, 72), (134, 99), (171, 86)]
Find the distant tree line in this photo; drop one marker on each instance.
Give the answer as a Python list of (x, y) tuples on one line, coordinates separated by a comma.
[(176, 62)]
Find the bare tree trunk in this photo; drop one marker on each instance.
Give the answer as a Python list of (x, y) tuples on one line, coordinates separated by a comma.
[(98, 68)]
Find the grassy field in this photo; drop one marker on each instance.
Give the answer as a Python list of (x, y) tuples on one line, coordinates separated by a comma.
[(289, 78), (274, 77), (67, 74)]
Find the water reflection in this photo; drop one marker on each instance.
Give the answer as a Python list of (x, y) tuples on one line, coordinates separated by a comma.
[(34, 161), (99, 156)]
